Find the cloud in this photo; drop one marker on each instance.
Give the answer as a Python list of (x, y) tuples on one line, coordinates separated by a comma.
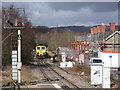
[(95, 6), (44, 14), (70, 13)]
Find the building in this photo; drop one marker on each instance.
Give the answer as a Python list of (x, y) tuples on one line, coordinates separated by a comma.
[(112, 42)]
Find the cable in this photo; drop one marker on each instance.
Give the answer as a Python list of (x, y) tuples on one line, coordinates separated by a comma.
[(7, 37)]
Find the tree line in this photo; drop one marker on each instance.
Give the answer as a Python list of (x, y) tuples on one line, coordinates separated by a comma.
[(55, 38)]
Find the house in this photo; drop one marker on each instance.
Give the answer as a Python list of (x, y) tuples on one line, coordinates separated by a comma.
[(112, 42), (111, 53)]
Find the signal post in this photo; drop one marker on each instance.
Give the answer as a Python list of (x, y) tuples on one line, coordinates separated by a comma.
[(16, 54), (19, 64)]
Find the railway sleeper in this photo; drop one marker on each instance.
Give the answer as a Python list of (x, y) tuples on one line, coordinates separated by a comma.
[(49, 79), (65, 87)]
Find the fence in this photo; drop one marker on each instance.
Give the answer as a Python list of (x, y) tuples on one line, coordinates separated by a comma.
[(70, 53)]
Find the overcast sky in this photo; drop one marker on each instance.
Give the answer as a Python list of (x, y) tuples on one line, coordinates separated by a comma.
[(69, 13)]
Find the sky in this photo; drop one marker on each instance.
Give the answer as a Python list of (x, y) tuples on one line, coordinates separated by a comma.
[(68, 13)]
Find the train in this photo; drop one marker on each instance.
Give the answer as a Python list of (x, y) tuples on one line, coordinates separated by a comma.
[(41, 50)]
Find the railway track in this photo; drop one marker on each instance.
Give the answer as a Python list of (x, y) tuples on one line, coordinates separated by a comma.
[(52, 75)]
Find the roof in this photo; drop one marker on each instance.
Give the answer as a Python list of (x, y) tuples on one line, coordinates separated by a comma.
[(116, 32)]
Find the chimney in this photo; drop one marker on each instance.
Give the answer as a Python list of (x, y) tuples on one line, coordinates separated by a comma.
[(99, 29), (91, 30), (95, 30), (112, 26), (103, 27)]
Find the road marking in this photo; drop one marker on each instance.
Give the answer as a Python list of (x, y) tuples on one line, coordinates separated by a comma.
[(56, 86)]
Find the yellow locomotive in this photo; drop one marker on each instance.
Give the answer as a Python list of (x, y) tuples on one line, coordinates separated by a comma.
[(41, 51)]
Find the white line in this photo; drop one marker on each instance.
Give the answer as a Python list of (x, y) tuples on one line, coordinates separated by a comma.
[(56, 86), (44, 84)]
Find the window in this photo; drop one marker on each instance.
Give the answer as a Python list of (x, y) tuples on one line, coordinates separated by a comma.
[(97, 61), (38, 48), (43, 48)]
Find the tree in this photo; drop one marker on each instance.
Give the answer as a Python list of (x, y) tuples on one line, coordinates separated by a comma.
[(28, 39), (28, 43), (41, 29), (61, 39), (8, 13)]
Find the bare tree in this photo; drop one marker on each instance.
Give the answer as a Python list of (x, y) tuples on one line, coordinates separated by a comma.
[(11, 13)]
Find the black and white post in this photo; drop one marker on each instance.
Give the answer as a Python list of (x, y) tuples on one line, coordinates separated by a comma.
[(19, 57)]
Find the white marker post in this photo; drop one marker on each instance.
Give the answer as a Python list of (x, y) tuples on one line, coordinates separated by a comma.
[(63, 56), (19, 56), (63, 63)]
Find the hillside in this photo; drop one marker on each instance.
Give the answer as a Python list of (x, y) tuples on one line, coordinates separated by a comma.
[(80, 28), (73, 28)]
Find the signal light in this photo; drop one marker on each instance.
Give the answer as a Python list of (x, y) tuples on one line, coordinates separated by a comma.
[(19, 24), (9, 22)]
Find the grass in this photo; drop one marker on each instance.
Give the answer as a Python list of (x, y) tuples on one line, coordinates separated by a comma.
[(26, 76)]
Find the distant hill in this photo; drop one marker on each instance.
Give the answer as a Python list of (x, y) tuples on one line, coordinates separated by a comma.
[(80, 28), (73, 28)]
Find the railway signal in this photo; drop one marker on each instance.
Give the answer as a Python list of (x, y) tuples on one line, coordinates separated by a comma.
[(15, 25), (9, 23), (19, 23)]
